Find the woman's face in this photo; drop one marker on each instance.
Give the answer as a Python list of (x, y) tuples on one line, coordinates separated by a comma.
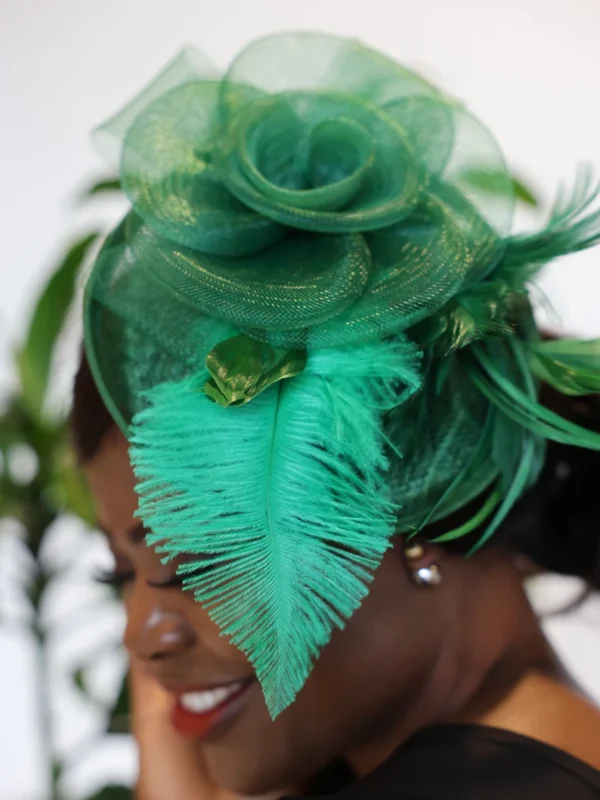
[(365, 680)]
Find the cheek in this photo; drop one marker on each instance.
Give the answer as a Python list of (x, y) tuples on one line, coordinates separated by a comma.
[(344, 693), (208, 632), (261, 756)]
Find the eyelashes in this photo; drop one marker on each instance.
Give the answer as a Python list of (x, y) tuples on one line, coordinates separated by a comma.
[(118, 579), (113, 578), (177, 580)]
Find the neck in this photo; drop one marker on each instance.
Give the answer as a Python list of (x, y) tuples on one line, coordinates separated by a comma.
[(492, 641)]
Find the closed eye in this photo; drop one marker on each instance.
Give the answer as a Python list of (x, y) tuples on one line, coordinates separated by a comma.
[(177, 580), (114, 577), (118, 578)]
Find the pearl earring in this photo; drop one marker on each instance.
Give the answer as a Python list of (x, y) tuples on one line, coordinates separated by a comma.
[(423, 574)]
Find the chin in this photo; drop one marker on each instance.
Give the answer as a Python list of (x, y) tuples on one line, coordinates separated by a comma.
[(258, 755), (268, 761), (248, 777)]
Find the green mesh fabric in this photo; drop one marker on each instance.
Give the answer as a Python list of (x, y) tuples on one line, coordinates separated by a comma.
[(316, 204), (324, 201), (165, 341)]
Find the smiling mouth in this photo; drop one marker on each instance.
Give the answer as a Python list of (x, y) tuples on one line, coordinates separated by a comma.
[(200, 713)]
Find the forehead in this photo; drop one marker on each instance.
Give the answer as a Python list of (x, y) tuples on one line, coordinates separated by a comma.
[(112, 483)]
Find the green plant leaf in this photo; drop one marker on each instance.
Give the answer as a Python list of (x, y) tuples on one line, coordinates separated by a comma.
[(103, 186), (67, 486), (113, 792), (242, 368), (491, 182), (79, 679), (524, 194), (571, 366), (35, 357), (11, 426)]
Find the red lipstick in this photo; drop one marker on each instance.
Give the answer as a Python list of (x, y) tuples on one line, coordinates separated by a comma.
[(198, 713)]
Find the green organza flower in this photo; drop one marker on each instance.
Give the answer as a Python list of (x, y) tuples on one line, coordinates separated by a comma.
[(320, 202)]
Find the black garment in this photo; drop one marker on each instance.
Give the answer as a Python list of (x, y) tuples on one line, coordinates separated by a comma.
[(473, 762)]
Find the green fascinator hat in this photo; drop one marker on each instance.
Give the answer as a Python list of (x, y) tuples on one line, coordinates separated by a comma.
[(315, 330)]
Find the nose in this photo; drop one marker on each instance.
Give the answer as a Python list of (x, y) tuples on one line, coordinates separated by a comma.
[(154, 631)]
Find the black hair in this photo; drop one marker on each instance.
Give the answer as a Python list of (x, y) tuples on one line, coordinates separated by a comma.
[(556, 524), (89, 420)]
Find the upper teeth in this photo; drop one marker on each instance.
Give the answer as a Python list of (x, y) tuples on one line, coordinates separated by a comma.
[(201, 702)]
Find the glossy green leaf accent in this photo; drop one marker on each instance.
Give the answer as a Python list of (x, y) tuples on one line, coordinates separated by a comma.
[(571, 366), (485, 311), (35, 357), (242, 368)]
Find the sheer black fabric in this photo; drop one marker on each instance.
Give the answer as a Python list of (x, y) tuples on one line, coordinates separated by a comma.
[(470, 762)]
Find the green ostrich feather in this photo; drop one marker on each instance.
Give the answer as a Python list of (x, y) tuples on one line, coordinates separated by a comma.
[(283, 501)]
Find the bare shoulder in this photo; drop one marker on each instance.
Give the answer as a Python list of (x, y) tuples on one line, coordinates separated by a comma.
[(545, 709)]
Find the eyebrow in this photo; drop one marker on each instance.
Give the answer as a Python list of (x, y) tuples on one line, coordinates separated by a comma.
[(136, 534)]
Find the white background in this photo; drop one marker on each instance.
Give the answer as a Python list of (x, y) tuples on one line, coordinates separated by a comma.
[(529, 68)]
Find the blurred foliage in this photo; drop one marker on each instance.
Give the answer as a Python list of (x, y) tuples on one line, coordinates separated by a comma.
[(112, 793), (55, 301), (55, 485)]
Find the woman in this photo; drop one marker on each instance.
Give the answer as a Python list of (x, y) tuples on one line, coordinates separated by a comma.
[(310, 411)]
